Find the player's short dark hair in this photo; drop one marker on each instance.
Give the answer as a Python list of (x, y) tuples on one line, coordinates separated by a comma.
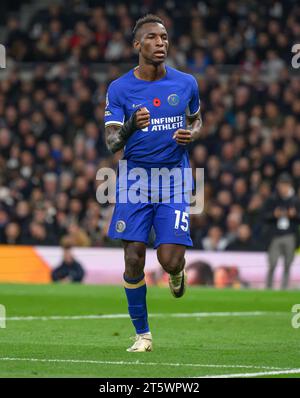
[(149, 18)]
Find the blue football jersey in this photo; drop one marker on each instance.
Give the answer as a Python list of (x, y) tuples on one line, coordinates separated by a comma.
[(168, 100)]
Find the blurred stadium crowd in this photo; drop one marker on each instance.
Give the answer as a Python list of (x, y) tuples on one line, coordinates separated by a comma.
[(201, 32), (51, 125)]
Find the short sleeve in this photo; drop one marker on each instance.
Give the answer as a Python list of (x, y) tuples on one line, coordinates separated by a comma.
[(194, 103), (114, 113)]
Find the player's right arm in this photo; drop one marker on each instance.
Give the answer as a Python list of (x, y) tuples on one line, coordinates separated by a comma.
[(117, 131), (116, 136)]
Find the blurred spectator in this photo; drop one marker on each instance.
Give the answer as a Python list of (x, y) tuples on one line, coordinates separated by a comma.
[(243, 241), (282, 215), (77, 236), (228, 277), (200, 273), (12, 234), (4, 219), (69, 270), (37, 235), (214, 240)]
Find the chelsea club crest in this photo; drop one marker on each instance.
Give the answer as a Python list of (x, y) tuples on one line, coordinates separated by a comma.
[(120, 226), (173, 99)]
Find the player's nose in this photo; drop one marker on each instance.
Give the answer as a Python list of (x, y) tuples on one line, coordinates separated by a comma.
[(159, 42)]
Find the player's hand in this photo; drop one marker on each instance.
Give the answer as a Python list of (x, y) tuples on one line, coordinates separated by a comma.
[(142, 118), (182, 136)]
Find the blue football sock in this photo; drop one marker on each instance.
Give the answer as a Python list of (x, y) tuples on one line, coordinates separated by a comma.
[(136, 290)]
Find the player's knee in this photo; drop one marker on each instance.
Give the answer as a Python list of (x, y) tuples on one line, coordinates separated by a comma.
[(172, 263), (134, 264)]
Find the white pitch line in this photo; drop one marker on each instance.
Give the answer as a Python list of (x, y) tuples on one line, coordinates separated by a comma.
[(271, 373), (154, 315), (90, 361)]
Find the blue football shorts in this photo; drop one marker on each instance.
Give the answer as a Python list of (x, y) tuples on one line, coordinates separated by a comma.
[(169, 218)]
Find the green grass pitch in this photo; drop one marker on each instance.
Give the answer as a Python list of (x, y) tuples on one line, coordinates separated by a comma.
[(254, 336)]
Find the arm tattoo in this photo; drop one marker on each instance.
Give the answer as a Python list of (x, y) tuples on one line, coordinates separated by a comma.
[(195, 124), (116, 136), (190, 120)]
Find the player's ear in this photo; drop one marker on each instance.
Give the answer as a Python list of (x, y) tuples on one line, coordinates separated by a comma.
[(136, 45)]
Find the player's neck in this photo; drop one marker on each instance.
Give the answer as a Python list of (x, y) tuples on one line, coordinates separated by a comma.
[(150, 72)]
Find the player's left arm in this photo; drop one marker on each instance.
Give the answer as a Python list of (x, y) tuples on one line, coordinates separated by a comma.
[(193, 119), (194, 124), (193, 131)]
